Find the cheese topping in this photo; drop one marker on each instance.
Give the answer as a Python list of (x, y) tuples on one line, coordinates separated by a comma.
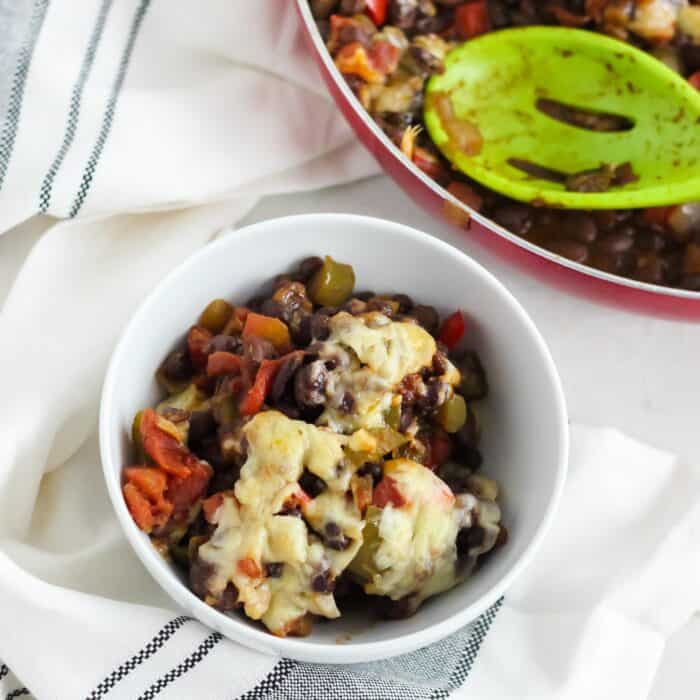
[(251, 532), (414, 550), (373, 354)]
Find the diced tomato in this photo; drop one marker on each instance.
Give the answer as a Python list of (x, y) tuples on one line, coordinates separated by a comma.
[(658, 216), (472, 19), (387, 491), (384, 56), (144, 495), (361, 487), (249, 567), (439, 449), (430, 164), (377, 10), (255, 398), (197, 340), (465, 194), (163, 448), (694, 80), (452, 329), (185, 492), (267, 327), (220, 364)]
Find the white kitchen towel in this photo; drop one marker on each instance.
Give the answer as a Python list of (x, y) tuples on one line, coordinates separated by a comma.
[(156, 124)]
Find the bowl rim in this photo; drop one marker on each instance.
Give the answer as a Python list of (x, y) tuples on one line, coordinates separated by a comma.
[(299, 648), (491, 225)]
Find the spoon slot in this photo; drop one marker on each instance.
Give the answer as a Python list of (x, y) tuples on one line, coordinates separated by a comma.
[(582, 117)]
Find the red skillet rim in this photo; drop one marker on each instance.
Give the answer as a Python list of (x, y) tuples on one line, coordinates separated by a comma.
[(489, 224)]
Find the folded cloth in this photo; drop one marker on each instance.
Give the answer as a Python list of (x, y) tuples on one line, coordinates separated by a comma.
[(188, 114)]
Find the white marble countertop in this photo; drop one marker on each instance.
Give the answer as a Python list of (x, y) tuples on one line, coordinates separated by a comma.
[(631, 372)]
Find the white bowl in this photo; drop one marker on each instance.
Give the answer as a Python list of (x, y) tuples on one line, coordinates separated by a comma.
[(525, 441)]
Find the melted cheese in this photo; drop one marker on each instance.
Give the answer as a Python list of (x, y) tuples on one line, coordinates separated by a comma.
[(251, 530), (373, 354), (416, 551)]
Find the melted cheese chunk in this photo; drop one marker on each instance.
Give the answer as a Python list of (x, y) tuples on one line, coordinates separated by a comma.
[(251, 532), (373, 354), (414, 549)]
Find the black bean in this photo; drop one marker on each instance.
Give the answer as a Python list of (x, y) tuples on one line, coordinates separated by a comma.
[(405, 302), (650, 241), (289, 365), (258, 349), (469, 456), (690, 53), (439, 365), (332, 529), (281, 280), (311, 484), (339, 544), (274, 569), (352, 7), (321, 9), (177, 366), (383, 306), (202, 424), (469, 538), (617, 242), (347, 403), (365, 296), (308, 266), (403, 13), (224, 343), (580, 227), (310, 384), (355, 306), (691, 282), (291, 509), (577, 252), (427, 316), (397, 609), (319, 326), (271, 307), (406, 418), (468, 434), (373, 469), (323, 582), (473, 384)]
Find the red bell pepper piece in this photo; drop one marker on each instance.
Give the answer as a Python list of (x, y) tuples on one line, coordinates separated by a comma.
[(255, 398), (197, 340), (387, 491), (472, 19), (452, 329), (163, 448), (249, 567), (658, 216), (185, 492), (220, 364), (377, 10), (144, 493), (694, 80), (269, 328)]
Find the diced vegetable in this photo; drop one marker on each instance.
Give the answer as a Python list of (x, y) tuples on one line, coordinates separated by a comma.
[(249, 567), (255, 398), (269, 328), (453, 413), (216, 315), (237, 321), (186, 492), (139, 453), (197, 340), (387, 491), (439, 449), (472, 19), (220, 364), (144, 495), (353, 59), (452, 329), (377, 10), (163, 447), (694, 80), (332, 284)]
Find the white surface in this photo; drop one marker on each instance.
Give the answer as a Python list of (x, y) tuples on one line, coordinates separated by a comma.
[(527, 450), (632, 372)]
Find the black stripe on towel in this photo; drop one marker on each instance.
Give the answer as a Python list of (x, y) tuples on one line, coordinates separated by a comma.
[(182, 668), (19, 79), (16, 693), (108, 119), (75, 102), (272, 681), (151, 648), (470, 652)]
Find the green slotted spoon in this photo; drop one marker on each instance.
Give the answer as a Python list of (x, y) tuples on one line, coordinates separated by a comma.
[(501, 82)]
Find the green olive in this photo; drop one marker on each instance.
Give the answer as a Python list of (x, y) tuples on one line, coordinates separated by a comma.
[(136, 438), (215, 317), (364, 566), (189, 399), (453, 413), (332, 283), (393, 416)]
